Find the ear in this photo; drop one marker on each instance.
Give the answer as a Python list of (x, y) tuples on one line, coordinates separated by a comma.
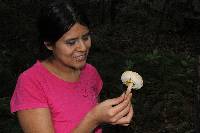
[(48, 45)]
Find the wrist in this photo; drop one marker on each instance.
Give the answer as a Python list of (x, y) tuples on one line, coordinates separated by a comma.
[(92, 119), (87, 125)]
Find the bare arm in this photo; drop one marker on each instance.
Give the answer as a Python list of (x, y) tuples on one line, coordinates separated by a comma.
[(36, 120), (113, 111), (39, 121)]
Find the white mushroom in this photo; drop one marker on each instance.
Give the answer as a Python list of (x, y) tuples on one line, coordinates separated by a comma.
[(132, 79)]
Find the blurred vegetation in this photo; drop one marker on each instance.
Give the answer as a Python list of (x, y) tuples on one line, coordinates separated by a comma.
[(158, 44)]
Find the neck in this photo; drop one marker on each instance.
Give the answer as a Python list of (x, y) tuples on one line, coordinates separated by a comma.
[(64, 72)]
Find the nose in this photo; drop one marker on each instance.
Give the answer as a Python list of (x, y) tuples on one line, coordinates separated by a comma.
[(82, 45)]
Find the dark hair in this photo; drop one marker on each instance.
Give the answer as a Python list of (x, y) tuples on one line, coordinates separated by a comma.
[(56, 19)]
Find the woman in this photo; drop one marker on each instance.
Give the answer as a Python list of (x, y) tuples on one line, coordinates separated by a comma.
[(59, 93)]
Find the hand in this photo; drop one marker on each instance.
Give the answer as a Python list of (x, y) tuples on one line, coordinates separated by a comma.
[(114, 111), (125, 121)]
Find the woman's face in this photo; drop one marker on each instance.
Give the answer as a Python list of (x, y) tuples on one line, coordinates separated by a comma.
[(72, 48)]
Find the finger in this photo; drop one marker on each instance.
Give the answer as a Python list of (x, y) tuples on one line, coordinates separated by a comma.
[(130, 114), (118, 108), (127, 95), (126, 119), (123, 113), (115, 101)]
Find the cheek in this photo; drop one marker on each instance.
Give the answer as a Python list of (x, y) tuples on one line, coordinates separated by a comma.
[(64, 51), (88, 44)]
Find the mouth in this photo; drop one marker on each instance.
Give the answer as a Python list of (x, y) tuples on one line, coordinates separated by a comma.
[(80, 57)]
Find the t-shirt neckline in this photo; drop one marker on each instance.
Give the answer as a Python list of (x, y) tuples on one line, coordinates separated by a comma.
[(44, 69)]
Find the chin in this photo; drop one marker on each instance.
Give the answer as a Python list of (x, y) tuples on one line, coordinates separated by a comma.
[(80, 65)]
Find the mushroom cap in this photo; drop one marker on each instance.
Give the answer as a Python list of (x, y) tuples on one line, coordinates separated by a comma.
[(133, 79)]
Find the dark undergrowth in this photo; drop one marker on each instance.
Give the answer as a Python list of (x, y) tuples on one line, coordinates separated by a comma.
[(164, 55)]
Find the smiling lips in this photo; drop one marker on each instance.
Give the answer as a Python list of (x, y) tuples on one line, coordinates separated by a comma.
[(80, 57)]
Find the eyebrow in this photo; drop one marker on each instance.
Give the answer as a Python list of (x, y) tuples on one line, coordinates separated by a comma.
[(86, 34)]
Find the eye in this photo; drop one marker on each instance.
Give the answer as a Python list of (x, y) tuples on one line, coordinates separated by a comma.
[(70, 42), (86, 37)]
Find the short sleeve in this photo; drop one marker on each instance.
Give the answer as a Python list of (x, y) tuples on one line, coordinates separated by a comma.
[(28, 94)]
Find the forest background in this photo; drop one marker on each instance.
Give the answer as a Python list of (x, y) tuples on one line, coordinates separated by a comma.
[(159, 39)]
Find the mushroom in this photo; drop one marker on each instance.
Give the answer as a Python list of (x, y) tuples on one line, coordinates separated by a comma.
[(132, 79)]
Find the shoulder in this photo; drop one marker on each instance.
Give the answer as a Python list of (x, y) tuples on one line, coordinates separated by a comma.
[(33, 71), (92, 71), (90, 68), (31, 74), (29, 91), (30, 83)]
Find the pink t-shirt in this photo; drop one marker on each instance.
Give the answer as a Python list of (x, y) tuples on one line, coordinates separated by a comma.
[(68, 102)]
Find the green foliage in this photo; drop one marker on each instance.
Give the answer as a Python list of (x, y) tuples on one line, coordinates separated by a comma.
[(165, 101)]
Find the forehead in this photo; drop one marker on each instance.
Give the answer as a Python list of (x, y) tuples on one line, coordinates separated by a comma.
[(75, 31)]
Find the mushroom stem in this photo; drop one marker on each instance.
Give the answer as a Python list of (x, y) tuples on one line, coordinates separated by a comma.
[(129, 88)]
